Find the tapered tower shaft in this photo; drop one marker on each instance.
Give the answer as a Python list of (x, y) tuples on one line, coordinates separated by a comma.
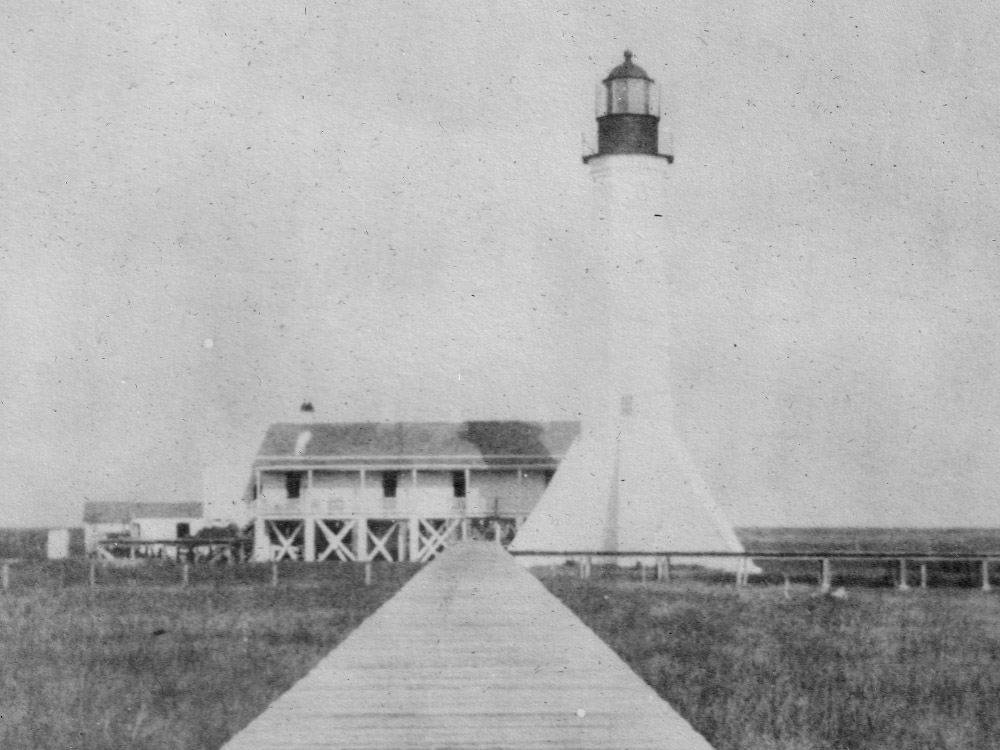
[(630, 177)]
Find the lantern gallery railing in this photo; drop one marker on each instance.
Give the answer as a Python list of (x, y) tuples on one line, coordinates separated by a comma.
[(662, 562)]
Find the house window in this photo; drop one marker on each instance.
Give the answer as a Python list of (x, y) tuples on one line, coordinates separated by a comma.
[(293, 484), (390, 481), (183, 530), (458, 483)]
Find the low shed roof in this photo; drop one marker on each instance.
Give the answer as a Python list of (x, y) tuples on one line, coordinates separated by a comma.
[(113, 511)]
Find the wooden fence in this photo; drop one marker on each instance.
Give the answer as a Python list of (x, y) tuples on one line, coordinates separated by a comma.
[(662, 562), (909, 570)]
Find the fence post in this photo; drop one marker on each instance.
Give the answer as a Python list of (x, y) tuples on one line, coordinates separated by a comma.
[(185, 574), (923, 575), (642, 572), (986, 575), (904, 585), (827, 576), (5, 576), (663, 568), (788, 587), (274, 575), (744, 572), (368, 572)]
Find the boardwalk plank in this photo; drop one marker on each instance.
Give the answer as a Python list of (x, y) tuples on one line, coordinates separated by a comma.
[(472, 653)]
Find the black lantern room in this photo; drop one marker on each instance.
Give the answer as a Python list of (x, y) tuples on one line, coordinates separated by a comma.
[(628, 112)]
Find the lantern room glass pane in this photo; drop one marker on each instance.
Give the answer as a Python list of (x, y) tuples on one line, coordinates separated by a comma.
[(638, 96), (601, 100), (633, 96), (619, 96)]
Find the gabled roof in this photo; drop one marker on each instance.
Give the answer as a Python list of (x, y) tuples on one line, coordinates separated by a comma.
[(113, 511), (411, 443)]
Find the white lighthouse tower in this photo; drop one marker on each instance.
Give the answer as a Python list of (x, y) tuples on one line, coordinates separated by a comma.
[(628, 484)]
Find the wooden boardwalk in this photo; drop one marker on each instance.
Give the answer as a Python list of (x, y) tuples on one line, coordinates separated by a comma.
[(472, 653)]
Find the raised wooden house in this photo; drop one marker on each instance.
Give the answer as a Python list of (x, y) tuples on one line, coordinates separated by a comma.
[(397, 491)]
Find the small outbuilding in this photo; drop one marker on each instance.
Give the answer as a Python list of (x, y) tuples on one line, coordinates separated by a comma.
[(155, 521)]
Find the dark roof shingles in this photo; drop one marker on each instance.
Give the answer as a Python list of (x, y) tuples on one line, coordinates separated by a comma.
[(438, 439)]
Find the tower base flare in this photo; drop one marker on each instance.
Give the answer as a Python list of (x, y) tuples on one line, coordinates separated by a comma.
[(629, 485)]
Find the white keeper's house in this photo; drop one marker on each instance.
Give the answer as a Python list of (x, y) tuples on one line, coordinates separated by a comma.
[(397, 491)]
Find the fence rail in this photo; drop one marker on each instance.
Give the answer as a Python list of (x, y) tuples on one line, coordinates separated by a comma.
[(765, 555), (183, 572), (98, 573), (825, 577)]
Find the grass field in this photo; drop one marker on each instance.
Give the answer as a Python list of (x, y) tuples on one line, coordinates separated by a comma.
[(140, 663), (754, 671), (151, 667)]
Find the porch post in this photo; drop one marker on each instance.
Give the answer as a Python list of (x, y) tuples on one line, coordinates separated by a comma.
[(414, 538), (404, 540), (361, 540), (361, 491), (309, 539)]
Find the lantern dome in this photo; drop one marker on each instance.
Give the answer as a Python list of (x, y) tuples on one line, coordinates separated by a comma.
[(628, 69)]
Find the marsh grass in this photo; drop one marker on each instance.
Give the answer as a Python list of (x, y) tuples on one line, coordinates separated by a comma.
[(150, 667), (754, 671), (140, 663)]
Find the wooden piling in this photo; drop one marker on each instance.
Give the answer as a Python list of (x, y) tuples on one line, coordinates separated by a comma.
[(663, 569), (92, 574), (368, 572), (904, 584), (986, 575), (923, 575), (274, 575), (5, 576), (826, 575), (185, 575)]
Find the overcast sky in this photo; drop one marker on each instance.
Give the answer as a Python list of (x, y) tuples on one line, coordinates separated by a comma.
[(214, 210)]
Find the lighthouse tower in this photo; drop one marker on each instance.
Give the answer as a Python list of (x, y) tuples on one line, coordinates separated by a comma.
[(628, 484), (630, 190)]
